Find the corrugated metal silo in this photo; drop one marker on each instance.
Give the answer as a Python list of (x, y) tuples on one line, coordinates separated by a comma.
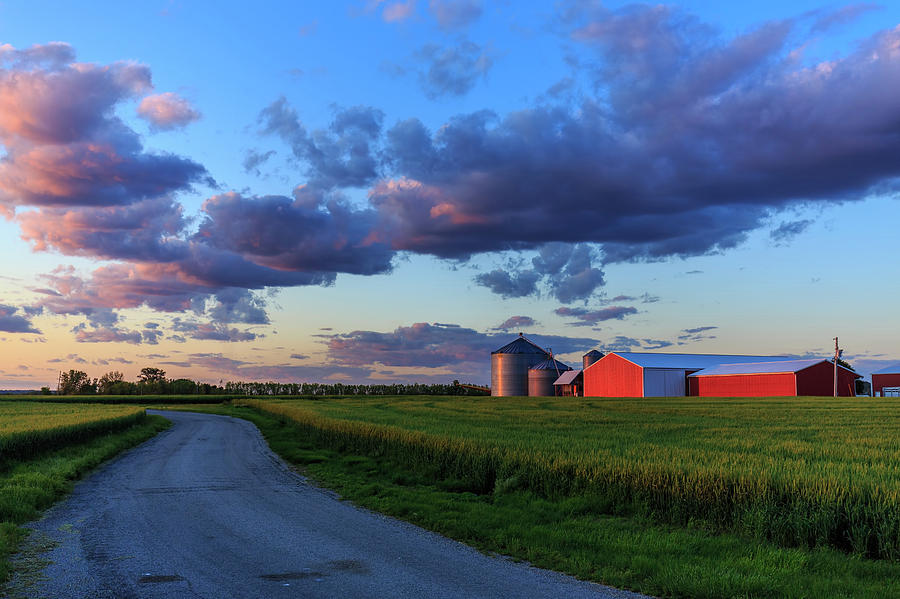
[(510, 364), (590, 357), (541, 377)]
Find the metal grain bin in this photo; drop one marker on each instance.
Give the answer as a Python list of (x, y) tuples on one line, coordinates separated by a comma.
[(590, 357), (542, 376), (510, 364)]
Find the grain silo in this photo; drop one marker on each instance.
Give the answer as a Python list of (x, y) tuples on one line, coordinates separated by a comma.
[(590, 357), (541, 377), (510, 364)]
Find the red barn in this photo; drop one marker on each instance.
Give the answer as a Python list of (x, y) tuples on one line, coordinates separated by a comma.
[(886, 377), (783, 378), (645, 374)]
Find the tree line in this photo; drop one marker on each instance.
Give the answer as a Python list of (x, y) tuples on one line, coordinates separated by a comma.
[(153, 381)]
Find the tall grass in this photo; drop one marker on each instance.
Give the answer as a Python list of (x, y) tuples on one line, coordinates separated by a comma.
[(28, 429), (798, 472)]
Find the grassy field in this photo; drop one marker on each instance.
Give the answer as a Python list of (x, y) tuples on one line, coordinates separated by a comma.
[(574, 533), (119, 399), (29, 428), (45, 446), (796, 472)]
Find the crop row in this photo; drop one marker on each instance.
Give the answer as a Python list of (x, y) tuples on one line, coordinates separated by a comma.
[(30, 428), (787, 492)]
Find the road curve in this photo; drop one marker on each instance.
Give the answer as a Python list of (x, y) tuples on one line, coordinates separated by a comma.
[(205, 509)]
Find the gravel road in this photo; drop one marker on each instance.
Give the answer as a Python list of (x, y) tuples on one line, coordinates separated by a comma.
[(205, 509)]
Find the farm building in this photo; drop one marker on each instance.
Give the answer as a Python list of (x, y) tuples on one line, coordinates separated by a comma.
[(782, 378), (569, 384), (541, 377), (886, 377), (510, 365), (642, 374)]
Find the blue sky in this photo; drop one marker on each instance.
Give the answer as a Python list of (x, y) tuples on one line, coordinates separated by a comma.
[(367, 191)]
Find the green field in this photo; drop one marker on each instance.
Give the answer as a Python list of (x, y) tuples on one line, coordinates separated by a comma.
[(795, 472)]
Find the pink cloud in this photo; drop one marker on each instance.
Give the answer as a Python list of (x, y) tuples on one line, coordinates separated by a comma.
[(398, 11), (167, 111)]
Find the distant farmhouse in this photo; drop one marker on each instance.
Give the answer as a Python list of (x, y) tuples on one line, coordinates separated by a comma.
[(524, 368)]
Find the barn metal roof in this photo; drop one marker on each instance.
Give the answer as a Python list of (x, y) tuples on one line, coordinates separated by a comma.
[(690, 361), (568, 377), (892, 369), (780, 366), (550, 364), (521, 345)]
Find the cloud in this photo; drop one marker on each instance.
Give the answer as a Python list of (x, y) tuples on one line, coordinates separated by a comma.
[(452, 70), (564, 270), (695, 334), (167, 111), (341, 155), (431, 346), (692, 143), (398, 11), (515, 322), (214, 331), (842, 16), (10, 322), (506, 284), (787, 230), (65, 146), (107, 335), (254, 159), (585, 318), (455, 14)]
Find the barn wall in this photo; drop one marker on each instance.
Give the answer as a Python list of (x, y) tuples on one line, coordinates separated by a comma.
[(818, 379), (612, 376), (880, 381), (744, 385), (664, 382)]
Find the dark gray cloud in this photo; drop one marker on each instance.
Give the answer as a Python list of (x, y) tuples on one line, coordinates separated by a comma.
[(563, 270), (11, 322), (514, 323), (586, 318), (341, 155), (509, 284), (452, 70), (455, 14), (238, 305), (432, 346), (829, 19), (214, 331), (253, 159), (695, 334), (787, 230)]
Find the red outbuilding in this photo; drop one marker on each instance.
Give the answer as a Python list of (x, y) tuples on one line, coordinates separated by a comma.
[(886, 377), (783, 378), (650, 374)]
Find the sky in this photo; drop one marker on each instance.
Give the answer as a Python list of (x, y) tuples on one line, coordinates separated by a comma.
[(380, 191)]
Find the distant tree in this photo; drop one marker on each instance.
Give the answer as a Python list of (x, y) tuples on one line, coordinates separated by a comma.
[(149, 374), (106, 382), (45, 391), (76, 382)]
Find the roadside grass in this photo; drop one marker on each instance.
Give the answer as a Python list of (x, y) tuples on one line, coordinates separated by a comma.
[(29, 486), (573, 534), (121, 399)]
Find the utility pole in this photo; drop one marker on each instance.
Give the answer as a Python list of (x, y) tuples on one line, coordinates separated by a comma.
[(837, 355)]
